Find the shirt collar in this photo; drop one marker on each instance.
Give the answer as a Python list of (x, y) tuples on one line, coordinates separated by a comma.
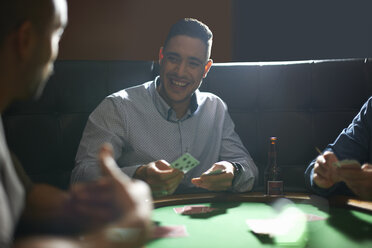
[(165, 110)]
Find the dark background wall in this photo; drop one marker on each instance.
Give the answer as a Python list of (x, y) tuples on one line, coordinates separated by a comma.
[(244, 30), (135, 29), (299, 30)]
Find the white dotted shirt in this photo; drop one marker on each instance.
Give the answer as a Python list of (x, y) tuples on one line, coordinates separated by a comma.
[(142, 128), (12, 194)]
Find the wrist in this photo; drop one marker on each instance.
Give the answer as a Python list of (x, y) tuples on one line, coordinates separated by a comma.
[(141, 173), (237, 169)]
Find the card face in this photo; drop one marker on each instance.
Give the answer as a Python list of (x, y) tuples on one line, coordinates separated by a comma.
[(169, 232), (348, 163), (313, 217), (185, 163), (194, 209)]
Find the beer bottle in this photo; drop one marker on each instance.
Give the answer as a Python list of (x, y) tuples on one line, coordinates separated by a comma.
[(273, 181)]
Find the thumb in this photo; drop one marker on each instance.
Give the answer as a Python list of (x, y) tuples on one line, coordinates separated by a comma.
[(162, 165), (366, 166), (197, 181), (108, 165)]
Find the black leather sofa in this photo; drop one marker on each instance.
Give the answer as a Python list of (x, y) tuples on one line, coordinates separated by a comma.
[(304, 103)]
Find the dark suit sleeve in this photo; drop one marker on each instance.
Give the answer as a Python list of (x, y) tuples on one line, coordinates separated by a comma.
[(354, 142)]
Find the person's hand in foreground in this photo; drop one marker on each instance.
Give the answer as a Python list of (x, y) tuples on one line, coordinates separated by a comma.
[(130, 202)]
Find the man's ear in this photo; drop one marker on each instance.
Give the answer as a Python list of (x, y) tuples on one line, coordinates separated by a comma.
[(25, 40), (161, 56), (207, 67)]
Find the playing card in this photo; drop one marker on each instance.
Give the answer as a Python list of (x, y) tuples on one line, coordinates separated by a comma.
[(288, 226), (180, 210), (313, 217), (185, 163), (169, 232), (194, 209), (349, 162)]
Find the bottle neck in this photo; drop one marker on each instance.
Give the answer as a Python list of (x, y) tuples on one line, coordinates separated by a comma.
[(272, 154)]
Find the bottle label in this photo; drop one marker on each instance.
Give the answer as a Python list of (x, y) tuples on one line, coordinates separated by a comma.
[(275, 187)]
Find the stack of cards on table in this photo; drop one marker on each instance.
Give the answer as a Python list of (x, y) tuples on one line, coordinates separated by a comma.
[(185, 163), (194, 209)]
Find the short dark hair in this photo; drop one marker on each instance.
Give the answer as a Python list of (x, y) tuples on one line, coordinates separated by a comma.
[(15, 12), (193, 28)]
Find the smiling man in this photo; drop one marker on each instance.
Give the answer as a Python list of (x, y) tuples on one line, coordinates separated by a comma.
[(153, 124)]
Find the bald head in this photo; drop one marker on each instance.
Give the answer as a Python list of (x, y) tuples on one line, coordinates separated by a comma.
[(30, 31), (15, 12)]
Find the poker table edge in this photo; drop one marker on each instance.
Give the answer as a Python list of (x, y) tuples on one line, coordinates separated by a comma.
[(337, 201)]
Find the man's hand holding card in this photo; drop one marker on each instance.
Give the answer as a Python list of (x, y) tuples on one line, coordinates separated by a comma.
[(162, 178), (358, 178), (218, 178), (328, 170)]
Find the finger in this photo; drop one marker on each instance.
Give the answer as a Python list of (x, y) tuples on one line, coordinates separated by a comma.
[(196, 181), (203, 182), (321, 181), (121, 182), (157, 179), (367, 167), (163, 175), (215, 179), (321, 170), (108, 164), (91, 190), (215, 187), (169, 185), (173, 186), (174, 180), (330, 158), (321, 160), (163, 165)]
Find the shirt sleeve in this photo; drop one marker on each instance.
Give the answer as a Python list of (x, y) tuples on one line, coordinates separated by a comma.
[(105, 124), (352, 143), (233, 150), (23, 177)]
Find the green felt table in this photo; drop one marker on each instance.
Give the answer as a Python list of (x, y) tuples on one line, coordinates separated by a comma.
[(344, 222)]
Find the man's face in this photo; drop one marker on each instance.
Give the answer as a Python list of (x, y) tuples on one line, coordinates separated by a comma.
[(46, 51), (183, 64)]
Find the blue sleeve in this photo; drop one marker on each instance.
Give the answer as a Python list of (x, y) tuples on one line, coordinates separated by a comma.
[(352, 143)]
